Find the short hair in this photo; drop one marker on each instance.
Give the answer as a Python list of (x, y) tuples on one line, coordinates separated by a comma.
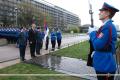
[(112, 14)]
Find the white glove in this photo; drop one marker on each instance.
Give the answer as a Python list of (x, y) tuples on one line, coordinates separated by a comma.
[(91, 30)]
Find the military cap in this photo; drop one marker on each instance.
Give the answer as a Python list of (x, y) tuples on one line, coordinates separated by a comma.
[(108, 7)]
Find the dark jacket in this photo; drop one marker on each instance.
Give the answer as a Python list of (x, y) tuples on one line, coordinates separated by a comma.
[(39, 37), (22, 39), (32, 36)]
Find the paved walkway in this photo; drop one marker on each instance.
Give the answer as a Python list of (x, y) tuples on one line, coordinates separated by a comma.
[(10, 54)]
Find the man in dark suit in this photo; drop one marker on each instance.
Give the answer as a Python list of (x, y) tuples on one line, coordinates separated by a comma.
[(32, 40)]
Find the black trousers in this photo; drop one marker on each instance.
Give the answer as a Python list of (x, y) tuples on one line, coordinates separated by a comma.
[(59, 43), (104, 76), (38, 47), (22, 52), (46, 45), (53, 44), (32, 49)]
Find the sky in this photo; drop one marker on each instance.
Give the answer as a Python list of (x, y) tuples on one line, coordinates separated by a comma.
[(81, 8)]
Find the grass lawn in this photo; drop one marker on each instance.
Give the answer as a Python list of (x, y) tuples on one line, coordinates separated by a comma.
[(22, 68), (79, 51), (76, 51), (41, 78)]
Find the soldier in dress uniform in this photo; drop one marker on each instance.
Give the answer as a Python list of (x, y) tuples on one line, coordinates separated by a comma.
[(59, 38), (39, 41), (103, 42), (32, 40), (22, 42), (53, 39)]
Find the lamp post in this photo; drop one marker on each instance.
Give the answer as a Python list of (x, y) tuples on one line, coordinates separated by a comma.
[(16, 10)]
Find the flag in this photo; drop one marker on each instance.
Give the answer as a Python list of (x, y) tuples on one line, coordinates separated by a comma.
[(33, 20), (46, 29)]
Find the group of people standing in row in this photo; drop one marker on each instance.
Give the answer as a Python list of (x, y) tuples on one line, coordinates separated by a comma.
[(35, 38)]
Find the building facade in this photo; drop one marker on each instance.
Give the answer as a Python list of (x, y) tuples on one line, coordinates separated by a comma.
[(61, 17)]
